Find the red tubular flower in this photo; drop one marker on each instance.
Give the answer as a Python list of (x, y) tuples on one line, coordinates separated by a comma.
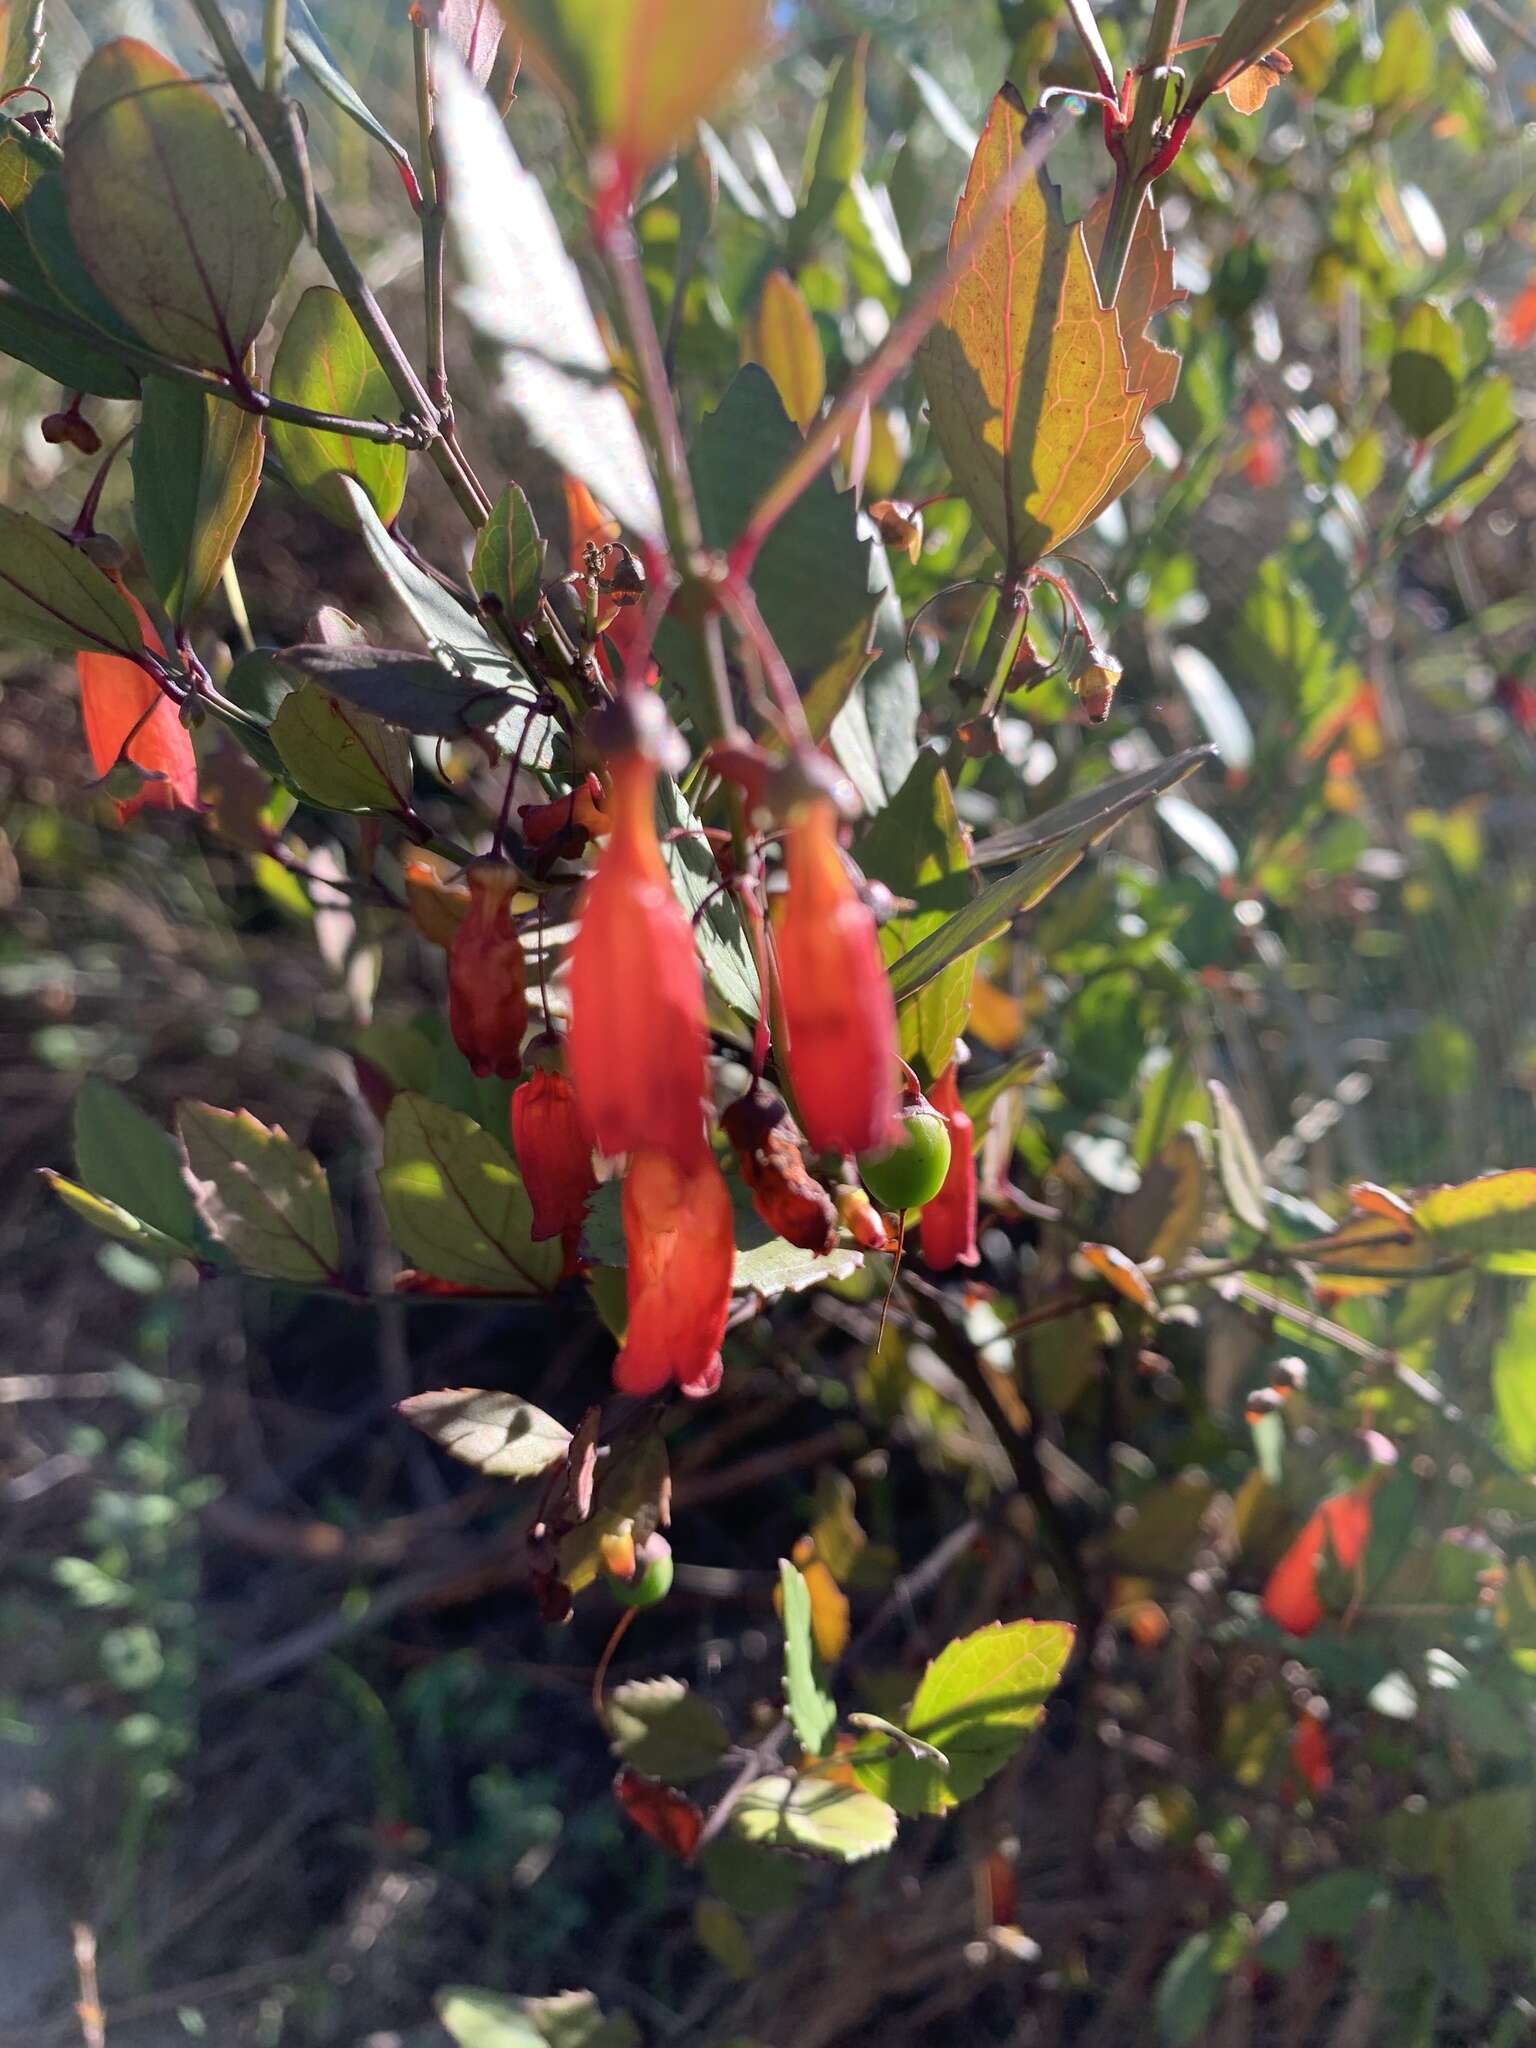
[(680, 1235), (837, 1001), (554, 1151), (574, 818), (487, 1000), (948, 1224), (1342, 1524), (637, 1041), (1311, 1755), (128, 717)]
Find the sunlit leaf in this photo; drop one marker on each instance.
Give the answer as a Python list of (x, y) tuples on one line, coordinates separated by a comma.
[(340, 757), (325, 362), (409, 690), (1491, 1220), (811, 1708), (782, 336), (53, 596), (509, 556), (501, 1436), (1242, 1177), (816, 1814), (175, 214), (633, 1486), (834, 153), (1426, 368), (125, 1157), (456, 1204), (261, 1196), (111, 1219), (639, 73), (524, 298)]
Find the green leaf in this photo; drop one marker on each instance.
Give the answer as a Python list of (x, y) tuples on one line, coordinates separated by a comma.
[(326, 362), (1427, 366), (812, 580), (1242, 1177), (812, 1710), (509, 556), (721, 1935), (752, 1879), (456, 1204), (834, 152), (310, 49), (1491, 1219), (111, 1219), (1190, 1987), (1215, 704), (265, 1199), (978, 1700), (523, 296), (1514, 1384), (1098, 809), (500, 1435), (809, 1813), (126, 1158), (1405, 65), (453, 633), (661, 1728), (409, 690), (987, 916), (174, 214), (917, 847), (724, 951), (633, 1486), (340, 757), (571, 2019), (1475, 452), (52, 596), (196, 467)]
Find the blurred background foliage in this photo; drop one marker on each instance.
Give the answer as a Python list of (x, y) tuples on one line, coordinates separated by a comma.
[(275, 1723)]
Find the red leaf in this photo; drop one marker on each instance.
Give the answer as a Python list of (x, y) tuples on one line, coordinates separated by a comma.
[(660, 1811), (127, 716)]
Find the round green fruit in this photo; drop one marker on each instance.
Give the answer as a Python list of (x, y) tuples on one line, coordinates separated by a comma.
[(653, 1576), (910, 1171)]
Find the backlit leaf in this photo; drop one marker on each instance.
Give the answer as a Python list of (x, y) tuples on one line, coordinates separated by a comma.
[(125, 1157), (175, 215), (53, 596), (1035, 397), (111, 1219), (1491, 1220), (639, 73), (1514, 1384), (325, 362), (500, 1435), (668, 1816), (340, 757), (1098, 809), (196, 467), (1425, 372), (509, 556), (456, 1204), (30, 201), (781, 335), (524, 298), (817, 1814), (1242, 1178), (724, 951), (834, 154), (978, 1700), (261, 1196)]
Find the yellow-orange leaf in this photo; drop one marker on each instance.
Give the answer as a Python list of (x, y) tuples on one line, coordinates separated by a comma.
[(1123, 1274), (781, 335), (1035, 393)]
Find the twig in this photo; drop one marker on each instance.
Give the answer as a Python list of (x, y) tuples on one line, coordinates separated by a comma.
[(93, 2021)]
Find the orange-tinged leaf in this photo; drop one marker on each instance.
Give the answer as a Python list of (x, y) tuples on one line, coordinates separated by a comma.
[(668, 1816), (781, 335), (997, 1019), (1251, 88), (1146, 289), (1123, 1274), (128, 718), (640, 72), (1033, 395)]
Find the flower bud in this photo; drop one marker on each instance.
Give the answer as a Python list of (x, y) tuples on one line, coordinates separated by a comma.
[(784, 1195), (553, 1148), (679, 1231), (573, 819), (838, 1009), (864, 1222), (637, 1040), (487, 1000), (948, 1224)]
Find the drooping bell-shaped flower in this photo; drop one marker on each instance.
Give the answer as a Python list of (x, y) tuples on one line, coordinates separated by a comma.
[(679, 1232), (948, 1223), (552, 1145), (784, 1194), (837, 1002), (637, 1040), (487, 996), (129, 718), (1341, 1527)]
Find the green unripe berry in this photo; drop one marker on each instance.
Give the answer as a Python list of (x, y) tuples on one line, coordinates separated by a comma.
[(911, 1170), (653, 1575)]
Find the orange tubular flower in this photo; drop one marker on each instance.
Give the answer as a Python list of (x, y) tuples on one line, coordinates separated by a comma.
[(487, 1000), (680, 1234), (1342, 1524), (948, 1224), (837, 1001), (554, 1151), (128, 717), (637, 1041)]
